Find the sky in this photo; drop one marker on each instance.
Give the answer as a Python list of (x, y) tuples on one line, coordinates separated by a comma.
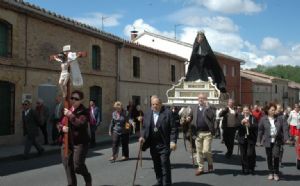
[(261, 32)]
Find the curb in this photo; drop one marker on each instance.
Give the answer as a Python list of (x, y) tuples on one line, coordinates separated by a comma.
[(105, 143)]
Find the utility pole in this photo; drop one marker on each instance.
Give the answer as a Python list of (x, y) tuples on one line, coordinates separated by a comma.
[(175, 29), (102, 21)]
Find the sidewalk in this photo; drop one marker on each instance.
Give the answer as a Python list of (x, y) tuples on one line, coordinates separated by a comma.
[(16, 152)]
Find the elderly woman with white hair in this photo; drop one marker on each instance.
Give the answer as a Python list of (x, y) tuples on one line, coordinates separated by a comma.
[(120, 131)]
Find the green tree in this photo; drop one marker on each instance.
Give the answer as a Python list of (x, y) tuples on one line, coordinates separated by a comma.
[(282, 71)]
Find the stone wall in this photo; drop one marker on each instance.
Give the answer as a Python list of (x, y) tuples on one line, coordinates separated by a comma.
[(34, 40)]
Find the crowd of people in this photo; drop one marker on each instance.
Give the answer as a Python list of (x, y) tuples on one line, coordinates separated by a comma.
[(249, 126)]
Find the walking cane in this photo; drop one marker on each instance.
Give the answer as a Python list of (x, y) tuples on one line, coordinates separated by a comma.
[(191, 143), (141, 125), (137, 162)]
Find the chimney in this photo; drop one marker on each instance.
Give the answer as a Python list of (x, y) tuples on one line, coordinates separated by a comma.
[(134, 34)]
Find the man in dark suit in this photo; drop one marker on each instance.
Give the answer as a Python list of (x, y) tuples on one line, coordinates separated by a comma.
[(43, 116), (30, 123), (202, 123), (94, 121), (229, 125), (160, 134)]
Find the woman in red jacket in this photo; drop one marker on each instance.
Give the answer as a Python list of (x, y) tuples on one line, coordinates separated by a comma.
[(78, 140)]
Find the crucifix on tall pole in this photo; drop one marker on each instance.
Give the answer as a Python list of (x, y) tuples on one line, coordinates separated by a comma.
[(69, 66)]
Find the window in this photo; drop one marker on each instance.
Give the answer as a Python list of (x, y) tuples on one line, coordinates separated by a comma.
[(233, 71), (5, 39), (7, 94), (96, 57), (136, 67), (96, 94), (225, 70), (275, 89), (173, 73), (136, 100)]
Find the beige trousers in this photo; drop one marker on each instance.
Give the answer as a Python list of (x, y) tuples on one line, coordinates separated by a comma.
[(203, 149)]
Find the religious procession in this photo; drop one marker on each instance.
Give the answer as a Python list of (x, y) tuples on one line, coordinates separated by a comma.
[(179, 119)]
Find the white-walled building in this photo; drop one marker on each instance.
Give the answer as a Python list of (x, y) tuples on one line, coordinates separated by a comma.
[(229, 64), (166, 44)]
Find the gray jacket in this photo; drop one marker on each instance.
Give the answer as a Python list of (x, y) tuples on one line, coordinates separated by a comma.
[(264, 131)]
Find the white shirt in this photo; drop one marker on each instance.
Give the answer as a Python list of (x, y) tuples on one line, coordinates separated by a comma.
[(294, 118), (155, 117), (201, 107), (26, 112), (272, 129), (231, 119)]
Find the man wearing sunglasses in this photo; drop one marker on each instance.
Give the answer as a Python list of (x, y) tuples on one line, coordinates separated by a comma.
[(30, 123)]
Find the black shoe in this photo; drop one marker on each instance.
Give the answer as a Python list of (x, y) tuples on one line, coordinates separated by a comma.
[(88, 180), (92, 146), (251, 171), (25, 157), (41, 152), (54, 144), (157, 184), (228, 155)]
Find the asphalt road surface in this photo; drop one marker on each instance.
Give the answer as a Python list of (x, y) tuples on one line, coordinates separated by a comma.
[(47, 170)]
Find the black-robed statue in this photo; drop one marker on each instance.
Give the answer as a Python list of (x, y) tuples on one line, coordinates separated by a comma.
[(204, 64)]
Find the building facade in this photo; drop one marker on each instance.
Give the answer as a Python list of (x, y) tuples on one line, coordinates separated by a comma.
[(260, 89), (229, 64), (294, 93), (115, 69)]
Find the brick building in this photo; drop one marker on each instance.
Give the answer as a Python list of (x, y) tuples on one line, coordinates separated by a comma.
[(258, 88), (115, 69)]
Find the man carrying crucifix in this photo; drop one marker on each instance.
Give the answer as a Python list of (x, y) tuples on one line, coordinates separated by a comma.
[(69, 59), (73, 127)]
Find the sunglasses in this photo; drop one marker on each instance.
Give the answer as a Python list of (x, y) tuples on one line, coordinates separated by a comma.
[(25, 104), (74, 98)]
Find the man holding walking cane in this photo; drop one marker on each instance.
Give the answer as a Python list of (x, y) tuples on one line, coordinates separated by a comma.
[(202, 127), (159, 132)]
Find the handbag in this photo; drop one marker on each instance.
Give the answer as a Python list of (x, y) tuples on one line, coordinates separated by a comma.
[(127, 126)]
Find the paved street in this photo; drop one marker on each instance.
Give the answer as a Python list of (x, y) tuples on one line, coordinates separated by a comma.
[(48, 171)]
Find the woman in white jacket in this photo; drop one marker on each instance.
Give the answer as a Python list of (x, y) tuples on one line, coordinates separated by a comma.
[(294, 123)]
